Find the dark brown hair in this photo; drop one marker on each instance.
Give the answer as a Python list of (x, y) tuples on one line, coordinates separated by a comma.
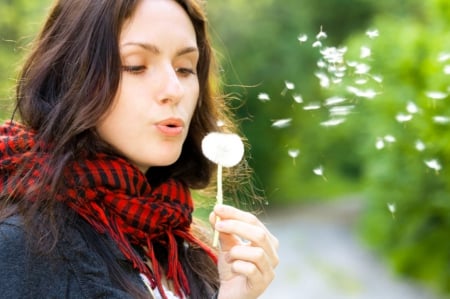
[(69, 81)]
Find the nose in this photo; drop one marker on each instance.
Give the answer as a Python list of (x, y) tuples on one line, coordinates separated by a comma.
[(170, 87)]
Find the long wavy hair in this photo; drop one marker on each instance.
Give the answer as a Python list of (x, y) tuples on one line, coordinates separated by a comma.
[(70, 80)]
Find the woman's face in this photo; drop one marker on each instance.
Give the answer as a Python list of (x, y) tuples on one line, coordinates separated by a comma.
[(150, 116)]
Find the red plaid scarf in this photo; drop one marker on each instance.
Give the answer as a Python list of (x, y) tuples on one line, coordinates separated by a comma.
[(115, 198)]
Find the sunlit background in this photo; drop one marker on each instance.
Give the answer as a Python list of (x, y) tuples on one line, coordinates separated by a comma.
[(345, 104)]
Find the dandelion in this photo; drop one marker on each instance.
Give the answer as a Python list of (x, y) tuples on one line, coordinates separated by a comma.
[(433, 164), (282, 123), (226, 150), (420, 146), (302, 38), (372, 33), (263, 97)]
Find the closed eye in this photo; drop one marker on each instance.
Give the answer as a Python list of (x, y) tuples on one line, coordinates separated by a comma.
[(185, 72), (133, 69)]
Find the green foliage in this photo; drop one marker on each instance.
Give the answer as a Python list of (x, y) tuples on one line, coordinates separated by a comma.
[(415, 237), (19, 21)]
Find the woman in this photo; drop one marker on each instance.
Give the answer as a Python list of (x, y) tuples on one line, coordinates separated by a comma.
[(114, 100)]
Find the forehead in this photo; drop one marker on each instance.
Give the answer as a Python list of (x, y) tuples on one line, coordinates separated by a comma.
[(158, 18)]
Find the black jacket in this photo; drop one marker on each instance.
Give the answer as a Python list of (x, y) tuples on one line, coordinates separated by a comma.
[(74, 270)]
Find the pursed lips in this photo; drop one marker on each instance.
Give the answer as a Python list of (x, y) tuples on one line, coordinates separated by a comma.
[(171, 126)]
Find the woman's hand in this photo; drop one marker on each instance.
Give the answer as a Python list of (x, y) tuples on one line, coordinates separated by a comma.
[(248, 253)]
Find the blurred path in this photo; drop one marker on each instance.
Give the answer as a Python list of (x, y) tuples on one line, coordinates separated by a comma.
[(321, 258)]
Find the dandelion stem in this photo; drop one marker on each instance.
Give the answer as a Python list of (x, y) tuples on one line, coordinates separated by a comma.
[(219, 198)]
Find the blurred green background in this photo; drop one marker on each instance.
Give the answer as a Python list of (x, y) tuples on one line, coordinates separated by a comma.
[(259, 49)]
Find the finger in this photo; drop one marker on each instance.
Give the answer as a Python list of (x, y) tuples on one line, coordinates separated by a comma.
[(229, 212), (257, 236), (257, 280)]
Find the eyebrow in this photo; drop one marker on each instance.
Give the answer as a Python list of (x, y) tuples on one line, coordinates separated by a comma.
[(155, 50)]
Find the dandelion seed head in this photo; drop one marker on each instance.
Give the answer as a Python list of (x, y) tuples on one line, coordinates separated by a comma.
[(223, 148), (282, 123), (263, 97)]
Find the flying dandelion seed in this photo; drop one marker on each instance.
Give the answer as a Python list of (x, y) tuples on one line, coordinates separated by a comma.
[(379, 144), (321, 64), (341, 110), (420, 146), (334, 100), (365, 52), (436, 95), (389, 138), (317, 44), (282, 123), (293, 153), (442, 120), (361, 81), (220, 123), (392, 209), (401, 117), (412, 108), (302, 38), (312, 106), (443, 57), (447, 69), (289, 85), (362, 69), (318, 170), (263, 97), (332, 122), (321, 34), (297, 98), (433, 164), (372, 33), (324, 80), (377, 79)]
